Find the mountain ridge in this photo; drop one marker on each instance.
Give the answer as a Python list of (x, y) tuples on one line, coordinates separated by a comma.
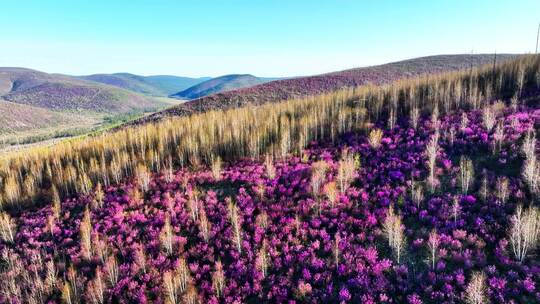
[(35, 103), (298, 87), (221, 84), (153, 85), (62, 92)]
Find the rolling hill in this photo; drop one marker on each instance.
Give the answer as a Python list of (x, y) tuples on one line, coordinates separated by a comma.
[(20, 123), (157, 85), (41, 105), (65, 93), (221, 84), (19, 117), (305, 86), (322, 200)]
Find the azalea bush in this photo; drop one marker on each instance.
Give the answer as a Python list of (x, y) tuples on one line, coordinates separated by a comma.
[(423, 216)]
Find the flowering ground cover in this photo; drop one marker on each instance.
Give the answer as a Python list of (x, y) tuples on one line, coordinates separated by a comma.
[(408, 215)]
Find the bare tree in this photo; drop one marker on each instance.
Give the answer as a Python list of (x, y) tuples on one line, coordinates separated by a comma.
[(433, 244), (166, 236), (476, 289), (7, 228), (216, 167), (218, 279), (537, 36), (375, 137), (466, 173), (431, 152), (236, 223), (394, 231), (525, 231)]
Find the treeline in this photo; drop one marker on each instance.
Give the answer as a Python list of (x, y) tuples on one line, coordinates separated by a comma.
[(78, 166)]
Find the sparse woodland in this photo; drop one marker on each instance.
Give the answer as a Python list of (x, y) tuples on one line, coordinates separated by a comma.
[(421, 191)]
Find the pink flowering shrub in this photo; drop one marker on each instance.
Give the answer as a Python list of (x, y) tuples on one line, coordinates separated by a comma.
[(275, 241)]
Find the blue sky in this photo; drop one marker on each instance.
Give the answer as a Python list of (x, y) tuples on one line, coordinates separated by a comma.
[(265, 38)]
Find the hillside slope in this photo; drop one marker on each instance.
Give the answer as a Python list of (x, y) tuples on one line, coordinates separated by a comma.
[(36, 106), (157, 85), (65, 93), (321, 200), (17, 120), (221, 84), (312, 85)]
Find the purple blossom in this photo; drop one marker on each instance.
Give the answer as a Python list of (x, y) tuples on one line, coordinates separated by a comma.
[(344, 294), (298, 230)]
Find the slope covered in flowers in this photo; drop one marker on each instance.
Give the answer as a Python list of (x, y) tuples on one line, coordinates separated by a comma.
[(309, 228), (285, 89)]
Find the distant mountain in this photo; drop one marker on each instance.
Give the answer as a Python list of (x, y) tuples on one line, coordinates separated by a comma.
[(65, 93), (158, 85), (36, 105), (279, 90), (221, 84), (172, 84)]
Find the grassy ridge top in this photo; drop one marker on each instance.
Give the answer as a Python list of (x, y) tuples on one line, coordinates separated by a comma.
[(157, 85), (60, 92), (313, 85), (221, 84)]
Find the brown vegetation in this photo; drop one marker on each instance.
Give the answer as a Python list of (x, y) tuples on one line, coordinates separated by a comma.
[(73, 166)]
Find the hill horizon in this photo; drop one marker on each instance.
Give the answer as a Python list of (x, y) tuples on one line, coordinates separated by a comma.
[(216, 75), (100, 100), (295, 87)]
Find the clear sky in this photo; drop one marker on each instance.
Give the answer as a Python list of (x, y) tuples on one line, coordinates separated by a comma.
[(265, 38)]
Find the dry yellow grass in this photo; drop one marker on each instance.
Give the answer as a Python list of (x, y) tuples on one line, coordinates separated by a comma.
[(76, 165)]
